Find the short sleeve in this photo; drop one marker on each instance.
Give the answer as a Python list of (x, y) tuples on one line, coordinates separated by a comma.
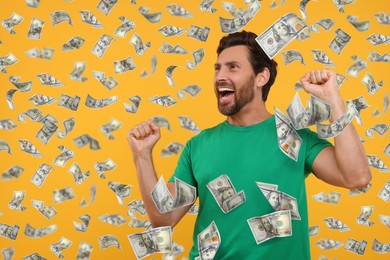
[(314, 146), (183, 169)]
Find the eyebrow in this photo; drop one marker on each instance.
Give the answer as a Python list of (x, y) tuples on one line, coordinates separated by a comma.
[(226, 63)]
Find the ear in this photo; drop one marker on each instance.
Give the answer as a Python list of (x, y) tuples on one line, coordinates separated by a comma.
[(262, 78)]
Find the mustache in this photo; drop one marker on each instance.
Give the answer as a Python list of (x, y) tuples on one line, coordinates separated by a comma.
[(224, 83)]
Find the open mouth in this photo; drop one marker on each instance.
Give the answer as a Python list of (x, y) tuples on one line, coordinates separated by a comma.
[(225, 94)]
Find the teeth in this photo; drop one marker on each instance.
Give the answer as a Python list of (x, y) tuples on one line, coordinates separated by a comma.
[(225, 89)]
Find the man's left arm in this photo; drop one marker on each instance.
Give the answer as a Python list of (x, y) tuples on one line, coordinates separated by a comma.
[(346, 163)]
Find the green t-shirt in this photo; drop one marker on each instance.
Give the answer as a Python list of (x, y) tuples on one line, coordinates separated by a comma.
[(248, 155)]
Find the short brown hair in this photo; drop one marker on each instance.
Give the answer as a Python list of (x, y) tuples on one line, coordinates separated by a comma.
[(257, 57)]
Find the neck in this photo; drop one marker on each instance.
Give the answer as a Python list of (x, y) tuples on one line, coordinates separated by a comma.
[(249, 116)]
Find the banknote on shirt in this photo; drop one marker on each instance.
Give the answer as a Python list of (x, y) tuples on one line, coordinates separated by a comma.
[(69, 124), (8, 231), (321, 57), (74, 43), (385, 220), (198, 33), (88, 17), (9, 23), (133, 108), (172, 148), (39, 232), (313, 230), (92, 190), (22, 86), (71, 103), (28, 147), (205, 6), (105, 6), (280, 34), (292, 55), (359, 104), (359, 64), (334, 223), (371, 85), (78, 175), (288, 140), (63, 194), (121, 190), (177, 10), (384, 194), (9, 96), (155, 240), (161, 122), (8, 253), (5, 147), (170, 30), (13, 172), (209, 241), (60, 16), (125, 27), (360, 26), (276, 224), (365, 213), (57, 247), (121, 66), (285, 201), (177, 49), (82, 227), (164, 201), (238, 22), (107, 241), (333, 197), (76, 74), (222, 189), (193, 90), (198, 57), (326, 244), (380, 128), (16, 201), (187, 123), (151, 17), (102, 45), (35, 31), (380, 247), (102, 167), (340, 41), (325, 23), (333, 129), (165, 101), (48, 211), (113, 219), (382, 17), (269, 186), (84, 251), (375, 113), (355, 246)]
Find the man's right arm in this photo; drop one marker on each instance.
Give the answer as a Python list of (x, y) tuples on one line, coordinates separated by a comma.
[(142, 138)]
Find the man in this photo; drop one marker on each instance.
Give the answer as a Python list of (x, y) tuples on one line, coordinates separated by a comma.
[(245, 148)]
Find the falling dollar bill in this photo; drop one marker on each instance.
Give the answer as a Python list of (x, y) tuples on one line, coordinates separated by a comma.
[(334, 223), (121, 190), (313, 230), (359, 64), (205, 6), (82, 227), (209, 241), (102, 45), (85, 139), (107, 241), (384, 194), (57, 247), (359, 104), (74, 43), (165, 101), (198, 57), (4, 146), (8, 253), (193, 90), (39, 232), (353, 192), (113, 219), (377, 57), (155, 240), (83, 203), (161, 122), (110, 127), (292, 55), (64, 156), (22, 86), (326, 244), (172, 148), (76, 74), (28, 147), (376, 162), (34, 256), (8, 231), (168, 74), (16, 201), (280, 34), (380, 128), (109, 83), (63, 194), (332, 198), (365, 213), (39, 99), (41, 174), (375, 113), (84, 251), (360, 26), (371, 85), (154, 66), (35, 31), (78, 175), (321, 57), (69, 124), (13, 172), (177, 10), (125, 27), (340, 41), (276, 224), (289, 141), (100, 103), (177, 49), (45, 54), (325, 23), (9, 97), (380, 247), (164, 201), (88, 17), (170, 30), (199, 33), (9, 23), (151, 17), (355, 246), (102, 167), (47, 211), (59, 17), (336, 127), (187, 123), (225, 194), (382, 17), (122, 66), (240, 20), (139, 46), (133, 108), (71, 103), (105, 6)]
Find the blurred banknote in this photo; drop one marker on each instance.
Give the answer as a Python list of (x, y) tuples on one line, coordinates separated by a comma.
[(113, 219), (102, 45), (170, 30), (165, 101), (187, 123), (177, 49), (100, 103), (121, 190), (28, 147), (172, 148), (325, 23), (59, 17), (333, 197), (71, 103), (126, 26), (292, 55), (384, 194), (177, 10), (139, 46), (151, 17), (380, 128), (85, 139), (4, 146), (63, 194), (365, 213), (39, 99), (7, 124), (22, 86), (76, 74), (8, 253), (161, 122), (205, 6), (355, 246), (47, 211), (89, 18), (13, 172), (133, 108), (240, 20), (74, 43), (377, 57), (122, 66), (198, 33), (82, 227), (110, 127), (336, 127), (326, 244), (57, 247), (376, 162), (371, 85), (84, 251), (64, 156), (198, 57), (39, 232), (360, 26), (340, 41), (105, 6), (321, 57), (359, 104), (78, 175), (359, 64), (41, 174), (193, 90), (109, 83), (45, 54), (382, 17), (334, 223), (380, 248), (8, 231), (155, 240), (375, 113), (69, 124), (102, 167), (16, 201), (9, 23), (36, 26), (107, 241), (377, 38)]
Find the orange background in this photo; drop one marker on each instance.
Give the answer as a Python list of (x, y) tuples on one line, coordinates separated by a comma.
[(202, 110)]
